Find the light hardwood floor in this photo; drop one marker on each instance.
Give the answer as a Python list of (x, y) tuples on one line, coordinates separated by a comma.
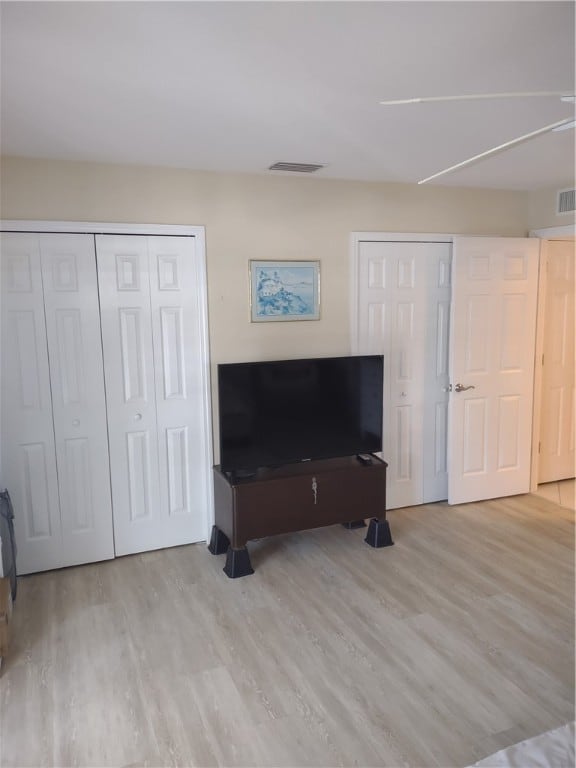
[(456, 642), (562, 492)]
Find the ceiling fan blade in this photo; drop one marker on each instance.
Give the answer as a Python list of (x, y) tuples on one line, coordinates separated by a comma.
[(565, 95), (560, 125), (568, 124)]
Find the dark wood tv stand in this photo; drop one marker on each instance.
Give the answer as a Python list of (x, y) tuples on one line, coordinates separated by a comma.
[(296, 497)]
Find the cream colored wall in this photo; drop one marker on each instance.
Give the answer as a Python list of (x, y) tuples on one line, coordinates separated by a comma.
[(542, 209), (257, 217)]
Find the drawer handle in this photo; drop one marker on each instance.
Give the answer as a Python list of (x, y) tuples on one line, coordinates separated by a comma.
[(315, 490)]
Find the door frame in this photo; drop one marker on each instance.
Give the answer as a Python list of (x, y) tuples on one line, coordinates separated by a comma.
[(176, 230), (567, 232)]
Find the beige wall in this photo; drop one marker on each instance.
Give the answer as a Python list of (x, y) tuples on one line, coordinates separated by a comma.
[(257, 217), (542, 209)]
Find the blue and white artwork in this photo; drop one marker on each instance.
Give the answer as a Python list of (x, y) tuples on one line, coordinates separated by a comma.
[(285, 290)]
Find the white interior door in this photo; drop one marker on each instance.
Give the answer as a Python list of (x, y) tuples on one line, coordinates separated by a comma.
[(556, 458), (78, 403), (177, 341), (403, 304), (124, 285), (28, 449), (438, 261), (493, 327), (54, 442), (152, 367)]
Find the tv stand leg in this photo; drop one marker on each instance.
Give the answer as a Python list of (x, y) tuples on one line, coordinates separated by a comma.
[(353, 524), (378, 534), (219, 542), (237, 563)]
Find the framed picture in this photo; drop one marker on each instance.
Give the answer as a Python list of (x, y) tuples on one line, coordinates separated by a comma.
[(284, 290)]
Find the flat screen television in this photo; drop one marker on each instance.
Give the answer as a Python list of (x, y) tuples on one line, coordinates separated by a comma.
[(285, 411)]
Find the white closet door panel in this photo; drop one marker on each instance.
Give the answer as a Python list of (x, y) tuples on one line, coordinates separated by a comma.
[(124, 284), (492, 351), (557, 459), (438, 263), (178, 353), (380, 311), (389, 320), (28, 448), (77, 379), (152, 355), (404, 291)]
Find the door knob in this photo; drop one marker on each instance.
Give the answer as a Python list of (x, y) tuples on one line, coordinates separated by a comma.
[(138, 417), (462, 388)]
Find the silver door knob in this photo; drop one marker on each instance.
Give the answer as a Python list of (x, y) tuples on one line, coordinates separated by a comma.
[(462, 388), (138, 417)]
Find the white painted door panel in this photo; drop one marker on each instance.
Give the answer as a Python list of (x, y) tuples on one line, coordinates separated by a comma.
[(438, 263), (403, 300), (557, 460), (151, 334), (54, 419), (177, 341), (79, 408), (493, 325), (28, 449), (124, 285)]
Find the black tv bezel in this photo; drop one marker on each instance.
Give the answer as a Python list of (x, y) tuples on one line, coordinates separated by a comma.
[(232, 470)]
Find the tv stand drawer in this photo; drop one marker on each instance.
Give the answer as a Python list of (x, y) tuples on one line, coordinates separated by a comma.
[(298, 497)]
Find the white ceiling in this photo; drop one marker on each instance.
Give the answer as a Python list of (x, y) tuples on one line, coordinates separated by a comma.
[(237, 86)]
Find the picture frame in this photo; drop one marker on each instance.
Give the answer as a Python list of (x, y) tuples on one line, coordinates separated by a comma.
[(284, 291)]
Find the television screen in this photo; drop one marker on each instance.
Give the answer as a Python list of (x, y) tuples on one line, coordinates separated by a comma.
[(284, 411)]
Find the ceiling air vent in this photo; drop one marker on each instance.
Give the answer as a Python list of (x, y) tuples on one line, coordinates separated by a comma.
[(566, 201), (296, 167)]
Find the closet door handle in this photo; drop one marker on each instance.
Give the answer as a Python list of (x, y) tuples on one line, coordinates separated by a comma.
[(138, 417), (462, 388)]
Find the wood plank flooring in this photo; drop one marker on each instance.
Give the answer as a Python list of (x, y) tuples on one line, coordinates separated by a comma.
[(456, 642), (563, 492)]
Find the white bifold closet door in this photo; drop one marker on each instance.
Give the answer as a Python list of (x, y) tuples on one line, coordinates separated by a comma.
[(403, 313), (54, 443), (152, 352), (557, 458)]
